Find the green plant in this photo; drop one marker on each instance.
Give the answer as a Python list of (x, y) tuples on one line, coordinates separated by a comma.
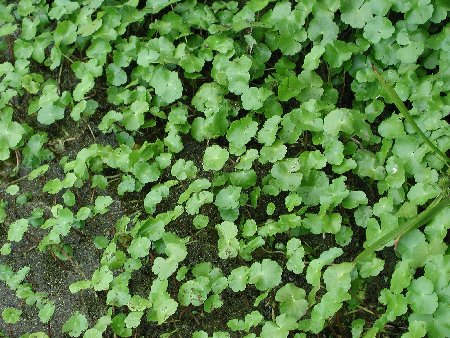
[(217, 168)]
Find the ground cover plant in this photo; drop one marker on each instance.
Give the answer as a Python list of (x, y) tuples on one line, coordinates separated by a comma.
[(224, 168)]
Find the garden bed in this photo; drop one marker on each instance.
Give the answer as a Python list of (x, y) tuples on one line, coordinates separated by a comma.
[(224, 169)]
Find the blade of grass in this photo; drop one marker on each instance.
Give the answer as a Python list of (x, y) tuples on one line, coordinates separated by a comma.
[(441, 202), (404, 111)]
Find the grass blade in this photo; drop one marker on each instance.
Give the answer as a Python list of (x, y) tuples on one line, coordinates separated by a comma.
[(404, 111)]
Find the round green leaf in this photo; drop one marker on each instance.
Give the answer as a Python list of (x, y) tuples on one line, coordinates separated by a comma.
[(214, 158)]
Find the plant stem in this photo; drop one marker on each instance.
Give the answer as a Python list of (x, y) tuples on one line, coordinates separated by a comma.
[(402, 108), (16, 181), (441, 202)]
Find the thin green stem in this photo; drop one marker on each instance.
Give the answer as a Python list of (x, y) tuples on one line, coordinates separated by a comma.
[(402, 108), (441, 202)]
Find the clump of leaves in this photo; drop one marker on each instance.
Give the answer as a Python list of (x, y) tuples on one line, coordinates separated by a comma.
[(236, 163)]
